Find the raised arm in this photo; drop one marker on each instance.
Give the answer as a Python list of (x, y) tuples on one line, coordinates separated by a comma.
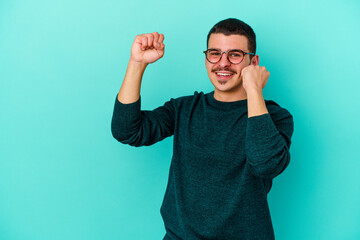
[(146, 49), (129, 124)]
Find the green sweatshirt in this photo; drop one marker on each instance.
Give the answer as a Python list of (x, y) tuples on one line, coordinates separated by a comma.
[(222, 166)]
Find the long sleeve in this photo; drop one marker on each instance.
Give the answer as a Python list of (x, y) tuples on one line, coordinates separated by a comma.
[(268, 139), (132, 126)]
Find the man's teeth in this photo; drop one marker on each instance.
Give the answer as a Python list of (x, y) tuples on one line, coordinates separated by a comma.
[(223, 74)]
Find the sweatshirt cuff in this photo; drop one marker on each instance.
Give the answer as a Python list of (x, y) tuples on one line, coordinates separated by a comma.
[(127, 111), (259, 125)]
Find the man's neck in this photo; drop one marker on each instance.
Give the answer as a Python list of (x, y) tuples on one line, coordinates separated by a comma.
[(230, 96)]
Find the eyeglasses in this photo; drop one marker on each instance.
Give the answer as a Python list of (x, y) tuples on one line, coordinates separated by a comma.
[(235, 56)]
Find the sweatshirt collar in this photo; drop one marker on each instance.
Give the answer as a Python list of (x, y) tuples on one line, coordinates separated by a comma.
[(225, 105)]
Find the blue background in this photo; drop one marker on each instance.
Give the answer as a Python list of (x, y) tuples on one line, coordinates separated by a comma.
[(63, 176)]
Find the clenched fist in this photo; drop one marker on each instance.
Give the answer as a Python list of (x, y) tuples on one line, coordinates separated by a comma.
[(254, 77), (148, 48)]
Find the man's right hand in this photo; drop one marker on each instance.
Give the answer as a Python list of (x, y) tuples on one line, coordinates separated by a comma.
[(147, 48)]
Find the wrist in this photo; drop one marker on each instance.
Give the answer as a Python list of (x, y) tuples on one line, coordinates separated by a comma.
[(254, 92), (135, 66)]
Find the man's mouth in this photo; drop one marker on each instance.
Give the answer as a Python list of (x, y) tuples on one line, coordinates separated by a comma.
[(224, 75), (223, 72)]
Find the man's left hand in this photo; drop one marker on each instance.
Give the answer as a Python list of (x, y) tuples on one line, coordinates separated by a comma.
[(254, 77)]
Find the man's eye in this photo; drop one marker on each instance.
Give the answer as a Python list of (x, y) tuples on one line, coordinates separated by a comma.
[(214, 53), (235, 55)]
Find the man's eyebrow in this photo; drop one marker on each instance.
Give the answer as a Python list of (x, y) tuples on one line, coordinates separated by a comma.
[(218, 49), (237, 50)]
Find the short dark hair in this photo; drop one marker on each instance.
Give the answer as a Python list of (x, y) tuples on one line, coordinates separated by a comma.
[(235, 26)]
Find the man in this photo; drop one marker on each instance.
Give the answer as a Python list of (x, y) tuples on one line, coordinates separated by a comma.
[(228, 144)]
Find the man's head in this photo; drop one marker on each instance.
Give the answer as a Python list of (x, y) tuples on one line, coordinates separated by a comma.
[(231, 47), (233, 26)]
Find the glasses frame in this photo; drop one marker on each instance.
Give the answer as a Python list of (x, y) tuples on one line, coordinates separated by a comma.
[(227, 54)]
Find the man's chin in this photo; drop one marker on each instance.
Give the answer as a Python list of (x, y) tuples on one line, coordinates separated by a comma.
[(222, 82)]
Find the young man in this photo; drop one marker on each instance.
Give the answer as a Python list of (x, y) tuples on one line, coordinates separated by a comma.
[(228, 144)]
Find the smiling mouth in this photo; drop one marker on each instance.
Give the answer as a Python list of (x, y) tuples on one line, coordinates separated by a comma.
[(223, 77), (223, 74)]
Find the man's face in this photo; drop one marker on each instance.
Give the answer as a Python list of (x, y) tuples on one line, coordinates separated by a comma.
[(225, 76)]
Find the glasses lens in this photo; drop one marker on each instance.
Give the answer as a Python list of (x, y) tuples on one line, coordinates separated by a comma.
[(235, 56), (213, 56)]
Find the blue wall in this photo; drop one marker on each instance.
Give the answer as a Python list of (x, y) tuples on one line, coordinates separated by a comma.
[(63, 176)]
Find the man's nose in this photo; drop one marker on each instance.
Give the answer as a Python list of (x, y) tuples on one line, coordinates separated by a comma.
[(224, 60)]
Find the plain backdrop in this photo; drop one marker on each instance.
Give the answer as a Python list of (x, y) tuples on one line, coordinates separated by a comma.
[(63, 175)]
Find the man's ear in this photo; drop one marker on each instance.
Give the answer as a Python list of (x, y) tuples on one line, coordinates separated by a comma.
[(255, 60)]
